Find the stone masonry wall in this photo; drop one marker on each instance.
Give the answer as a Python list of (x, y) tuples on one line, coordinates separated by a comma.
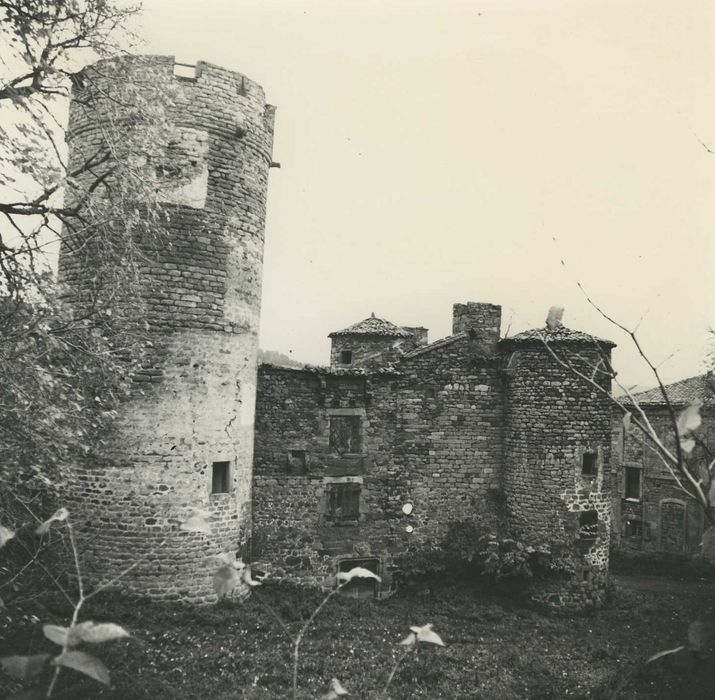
[(195, 398), (369, 351), (431, 437), (553, 418)]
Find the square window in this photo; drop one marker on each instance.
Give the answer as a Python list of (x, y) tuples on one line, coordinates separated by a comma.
[(297, 461), (633, 483), (220, 477), (343, 503), (346, 357), (360, 587), (344, 435), (589, 464), (634, 528)]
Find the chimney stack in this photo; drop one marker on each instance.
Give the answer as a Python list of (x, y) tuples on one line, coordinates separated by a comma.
[(481, 322)]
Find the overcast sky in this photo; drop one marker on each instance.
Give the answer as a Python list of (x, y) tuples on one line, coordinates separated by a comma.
[(439, 151)]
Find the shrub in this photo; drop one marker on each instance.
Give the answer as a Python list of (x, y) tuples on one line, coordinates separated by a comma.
[(471, 552)]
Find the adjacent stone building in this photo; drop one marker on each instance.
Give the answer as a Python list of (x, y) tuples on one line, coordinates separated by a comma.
[(652, 515), (398, 438)]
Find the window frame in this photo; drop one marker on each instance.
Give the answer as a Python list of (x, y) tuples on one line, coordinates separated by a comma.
[(343, 491), (225, 479), (590, 472), (630, 469), (357, 420)]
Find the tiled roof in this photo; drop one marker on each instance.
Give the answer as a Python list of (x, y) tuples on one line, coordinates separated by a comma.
[(386, 370), (560, 334), (373, 326), (434, 345), (699, 388)]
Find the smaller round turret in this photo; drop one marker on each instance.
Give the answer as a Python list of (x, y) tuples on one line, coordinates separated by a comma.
[(557, 461)]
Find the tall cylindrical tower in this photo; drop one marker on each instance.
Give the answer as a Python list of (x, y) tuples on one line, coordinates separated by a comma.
[(557, 468), (185, 441)]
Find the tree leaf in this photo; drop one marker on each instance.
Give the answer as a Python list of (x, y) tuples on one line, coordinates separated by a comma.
[(6, 534), (84, 663), (24, 668), (55, 634), (95, 633), (57, 516), (225, 579), (246, 577), (335, 691), (426, 634), (357, 572), (687, 445), (661, 654), (689, 419), (410, 640)]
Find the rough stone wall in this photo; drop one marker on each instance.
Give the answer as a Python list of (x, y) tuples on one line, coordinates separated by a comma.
[(369, 351), (667, 520), (482, 321), (202, 293), (553, 418), (431, 437)]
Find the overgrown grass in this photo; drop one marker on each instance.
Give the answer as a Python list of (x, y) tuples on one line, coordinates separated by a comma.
[(494, 649)]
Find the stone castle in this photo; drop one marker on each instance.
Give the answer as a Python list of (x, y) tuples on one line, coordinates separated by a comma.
[(353, 463)]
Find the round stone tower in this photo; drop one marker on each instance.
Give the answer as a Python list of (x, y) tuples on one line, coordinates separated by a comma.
[(557, 469), (184, 441)]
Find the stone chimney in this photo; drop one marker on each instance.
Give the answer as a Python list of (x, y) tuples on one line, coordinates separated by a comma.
[(481, 322)]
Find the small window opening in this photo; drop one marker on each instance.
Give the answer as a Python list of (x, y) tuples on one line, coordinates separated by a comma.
[(633, 483), (343, 505), (346, 357), (589, 465), (344, 435), (297, 460), (588, 526), (220, 477), (360, 587), (634, 528), (185, 71)]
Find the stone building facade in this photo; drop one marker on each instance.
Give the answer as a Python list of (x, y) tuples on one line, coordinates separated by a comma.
[(652, 515), (185, 440), (356, 462), (353, 463)]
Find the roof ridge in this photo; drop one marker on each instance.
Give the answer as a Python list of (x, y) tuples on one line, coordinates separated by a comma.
[(434, 345)]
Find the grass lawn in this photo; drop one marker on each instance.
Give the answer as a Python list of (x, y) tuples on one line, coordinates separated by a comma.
[(495, 649)]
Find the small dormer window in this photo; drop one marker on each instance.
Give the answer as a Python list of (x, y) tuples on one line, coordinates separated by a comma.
[(346, 357)]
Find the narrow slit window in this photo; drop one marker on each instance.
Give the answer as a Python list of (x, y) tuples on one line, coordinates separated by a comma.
[(633, 483), (346, 357), (589, 464), (220, 477)]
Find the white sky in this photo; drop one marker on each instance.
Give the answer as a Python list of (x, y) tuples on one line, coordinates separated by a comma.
[(439, 151)]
